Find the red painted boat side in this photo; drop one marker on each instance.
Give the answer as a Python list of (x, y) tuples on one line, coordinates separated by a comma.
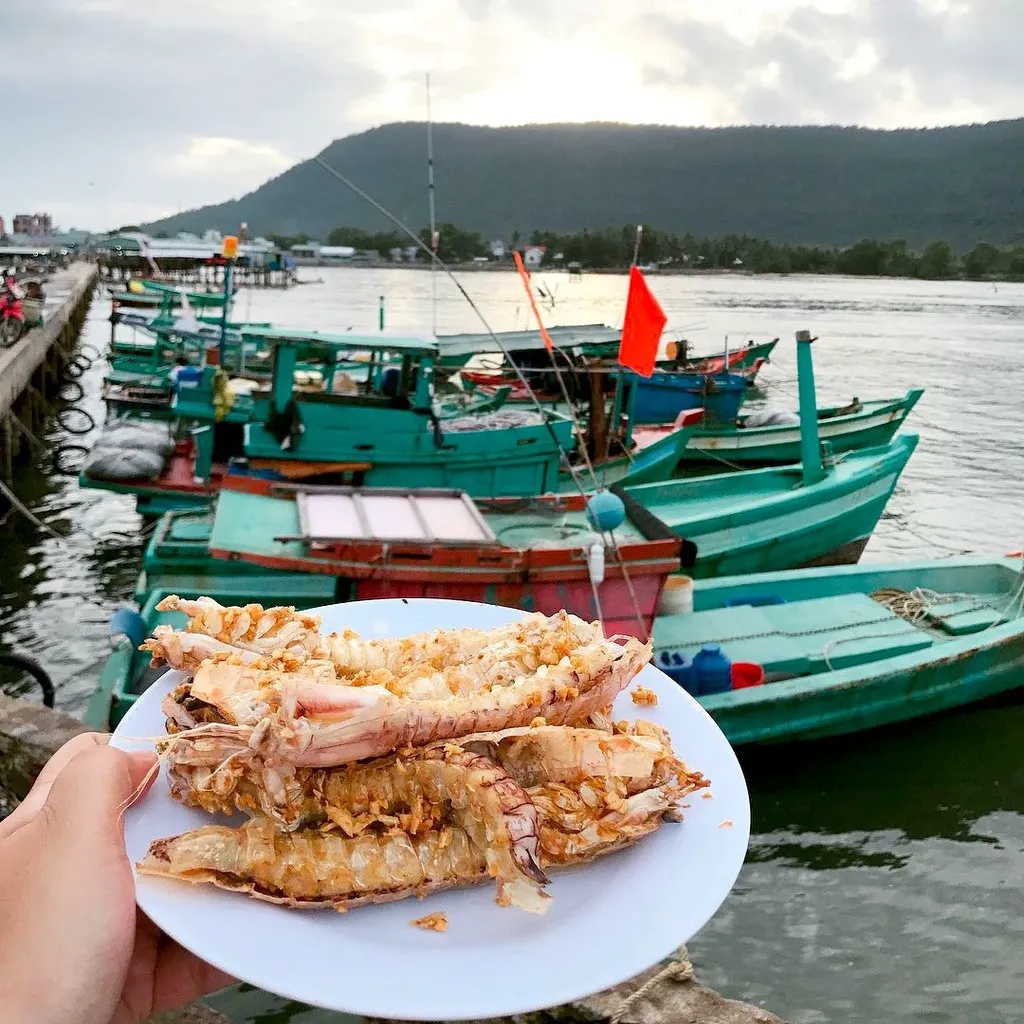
[(618, 612)]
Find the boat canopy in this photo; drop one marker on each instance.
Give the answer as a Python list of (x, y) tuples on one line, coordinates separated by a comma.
[(407, 344), (590, 339)]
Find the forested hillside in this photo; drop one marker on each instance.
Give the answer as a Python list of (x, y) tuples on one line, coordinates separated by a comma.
[(799, 185)]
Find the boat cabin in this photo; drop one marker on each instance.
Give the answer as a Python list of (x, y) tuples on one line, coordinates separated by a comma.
[(378, 409)]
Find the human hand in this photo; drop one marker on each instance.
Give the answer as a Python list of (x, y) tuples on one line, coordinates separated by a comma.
[(74, 949)]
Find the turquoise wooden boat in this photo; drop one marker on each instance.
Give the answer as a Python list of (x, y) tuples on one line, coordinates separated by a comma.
[(758, 521), (389, 431), (386, 428), (151, 295), (843, 428), (177, 561), (127, 672), (853, 648)]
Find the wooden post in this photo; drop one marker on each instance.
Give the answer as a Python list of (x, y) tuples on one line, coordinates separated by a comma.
[(597, 430), (8, 450)]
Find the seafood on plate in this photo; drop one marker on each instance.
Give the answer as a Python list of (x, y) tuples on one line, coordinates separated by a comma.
[(250, 707), (372, 770), (566, 797), (292, 638)]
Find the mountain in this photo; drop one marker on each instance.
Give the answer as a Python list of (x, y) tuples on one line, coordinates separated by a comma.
[(812, 185)]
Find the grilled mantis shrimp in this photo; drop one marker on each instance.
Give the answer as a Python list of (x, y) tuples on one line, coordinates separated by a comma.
[(288, 638), (307, 869), (292, 719), (378, 769), (602, 792), (413, 793)]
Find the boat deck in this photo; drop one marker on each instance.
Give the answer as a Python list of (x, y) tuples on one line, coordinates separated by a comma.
[(822, 634)]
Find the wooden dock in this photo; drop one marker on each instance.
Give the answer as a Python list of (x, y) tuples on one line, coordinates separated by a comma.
[(32, 370)]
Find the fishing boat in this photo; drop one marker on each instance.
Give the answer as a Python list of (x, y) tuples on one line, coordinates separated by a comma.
[(663, 395), (759, 521), (154, 295), (437, 543), (177, 561), (750, 357), (584, 341), (384, 429), (757, 439), (849, 649)]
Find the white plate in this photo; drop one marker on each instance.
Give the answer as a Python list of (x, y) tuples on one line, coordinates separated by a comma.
[(608, 920)]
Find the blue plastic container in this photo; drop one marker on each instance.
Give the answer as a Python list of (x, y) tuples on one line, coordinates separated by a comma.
[(662, 396), (677, 667), (188, 376), (712, 670), (756, 601)]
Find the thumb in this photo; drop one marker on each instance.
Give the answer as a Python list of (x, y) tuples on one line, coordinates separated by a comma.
[(92, 792)]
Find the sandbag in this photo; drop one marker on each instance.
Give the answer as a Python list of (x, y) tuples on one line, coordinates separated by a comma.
[(772, 418), (124, 464), (136, 434)]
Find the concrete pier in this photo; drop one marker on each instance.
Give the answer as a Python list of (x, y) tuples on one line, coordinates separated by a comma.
[(31, 369)]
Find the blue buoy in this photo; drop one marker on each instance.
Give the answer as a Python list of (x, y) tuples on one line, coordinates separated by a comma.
[(605, 511)]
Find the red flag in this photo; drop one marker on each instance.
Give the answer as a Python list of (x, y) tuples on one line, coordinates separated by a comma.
[(548, 343), (641, 330)]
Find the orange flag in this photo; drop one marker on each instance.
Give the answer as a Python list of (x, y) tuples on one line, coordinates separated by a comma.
[(548, 343), (642, 327)]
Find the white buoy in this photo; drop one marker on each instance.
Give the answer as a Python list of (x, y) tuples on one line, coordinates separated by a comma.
[(595, 562)]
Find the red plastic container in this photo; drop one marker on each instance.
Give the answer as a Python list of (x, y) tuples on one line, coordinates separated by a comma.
[(746, 673)]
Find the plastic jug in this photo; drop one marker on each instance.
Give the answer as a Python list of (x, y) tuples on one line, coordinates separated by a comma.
[(712, 670), (678, 668)]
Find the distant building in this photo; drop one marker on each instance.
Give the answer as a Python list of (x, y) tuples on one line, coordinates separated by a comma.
[(3, 228), (499, 250), (412, 253), (336, 253), (38, 225), (397, 254), (533, 255)]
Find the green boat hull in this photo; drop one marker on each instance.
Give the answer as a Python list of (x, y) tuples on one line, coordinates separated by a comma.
[(764, 520), (851, 671), (177, 561), (874, 425)]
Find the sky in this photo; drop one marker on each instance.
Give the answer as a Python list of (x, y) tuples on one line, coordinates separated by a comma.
[(124, 111)]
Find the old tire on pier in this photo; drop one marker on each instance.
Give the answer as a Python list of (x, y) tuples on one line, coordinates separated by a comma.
[(9, 659), (60, 463), (10, 331), (71, 391), (67, 417)]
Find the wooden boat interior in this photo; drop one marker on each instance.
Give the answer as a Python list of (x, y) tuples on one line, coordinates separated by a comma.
[(856, 615)]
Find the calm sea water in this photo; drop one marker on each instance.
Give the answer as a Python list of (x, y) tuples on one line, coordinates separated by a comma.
[(883, 882)]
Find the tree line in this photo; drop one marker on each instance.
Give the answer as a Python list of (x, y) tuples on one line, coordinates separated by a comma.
[(613, 248)]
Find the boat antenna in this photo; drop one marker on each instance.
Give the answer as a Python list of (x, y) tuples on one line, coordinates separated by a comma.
[(434, 239), (636, 244)]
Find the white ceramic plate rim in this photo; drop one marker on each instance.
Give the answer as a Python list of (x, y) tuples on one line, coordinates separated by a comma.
[(608, 921)]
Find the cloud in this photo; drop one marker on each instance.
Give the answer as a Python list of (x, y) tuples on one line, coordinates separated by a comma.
[(170, 104)]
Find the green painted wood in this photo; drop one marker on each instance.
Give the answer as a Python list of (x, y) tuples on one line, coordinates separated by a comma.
[(894, 684), (874, 424)]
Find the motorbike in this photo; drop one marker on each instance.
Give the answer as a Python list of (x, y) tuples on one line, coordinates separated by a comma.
[(12, 311)]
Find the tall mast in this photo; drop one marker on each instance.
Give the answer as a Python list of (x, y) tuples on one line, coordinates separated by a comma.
[(433, 219)]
